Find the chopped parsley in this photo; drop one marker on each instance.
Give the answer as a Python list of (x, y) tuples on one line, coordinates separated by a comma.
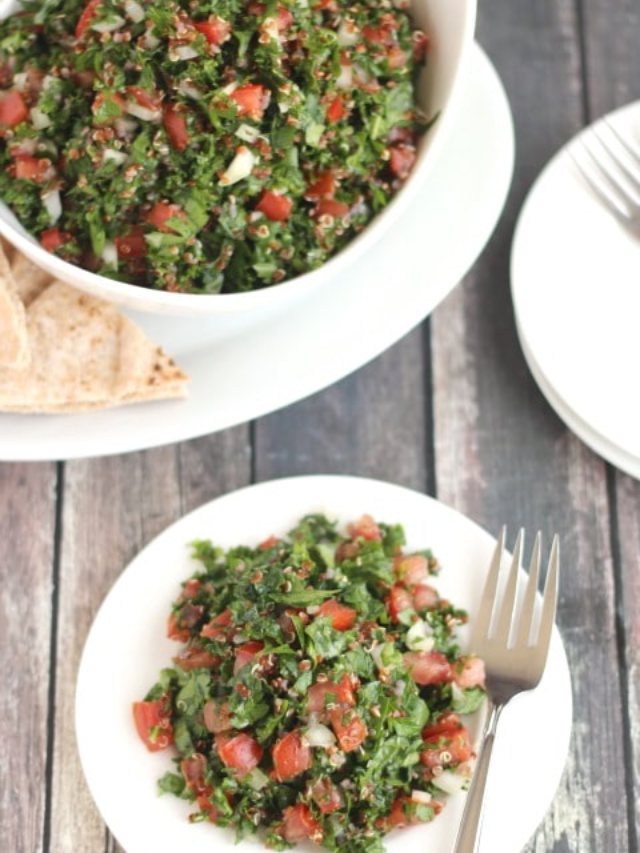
[(318, 688), (218, 146)]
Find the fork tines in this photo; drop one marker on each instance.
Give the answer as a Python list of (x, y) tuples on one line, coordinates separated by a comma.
[(610, 164)]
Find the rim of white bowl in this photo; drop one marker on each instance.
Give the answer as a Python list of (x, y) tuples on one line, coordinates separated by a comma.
[(150, 300)]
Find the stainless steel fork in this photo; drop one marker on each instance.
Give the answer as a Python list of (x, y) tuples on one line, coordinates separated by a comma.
[(512, 636), (610, 164)]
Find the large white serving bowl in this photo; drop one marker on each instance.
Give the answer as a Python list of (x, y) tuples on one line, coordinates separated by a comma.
[(450, 25)]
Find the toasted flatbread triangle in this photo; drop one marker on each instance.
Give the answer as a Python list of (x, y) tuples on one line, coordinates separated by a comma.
[(85, 355), (29, 279), (14, 343)]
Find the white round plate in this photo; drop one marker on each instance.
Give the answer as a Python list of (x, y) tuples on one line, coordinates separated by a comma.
[(576, 294), (391, 290), (127, 646)]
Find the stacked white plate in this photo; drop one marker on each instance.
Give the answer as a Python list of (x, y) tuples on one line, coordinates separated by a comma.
[(575, 282)]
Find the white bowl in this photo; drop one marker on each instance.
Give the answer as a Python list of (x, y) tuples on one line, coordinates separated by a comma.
[(450, 25)]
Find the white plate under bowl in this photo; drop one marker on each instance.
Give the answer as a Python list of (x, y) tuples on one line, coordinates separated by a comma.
[(127, 646), (389, 291), (576, 295), (450, 25)]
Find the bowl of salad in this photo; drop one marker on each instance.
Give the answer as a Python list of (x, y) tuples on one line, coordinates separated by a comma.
[(225, 159)]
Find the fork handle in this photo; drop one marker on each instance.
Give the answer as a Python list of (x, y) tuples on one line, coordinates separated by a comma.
[(468, 837)]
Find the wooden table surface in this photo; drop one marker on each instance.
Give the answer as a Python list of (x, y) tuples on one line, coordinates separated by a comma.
[(450, 410)]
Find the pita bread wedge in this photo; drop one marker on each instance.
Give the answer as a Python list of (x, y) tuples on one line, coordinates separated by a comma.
[(14, 344), (29, 279), (86, 355)]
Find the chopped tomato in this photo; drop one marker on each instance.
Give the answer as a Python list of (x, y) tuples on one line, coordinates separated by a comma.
[(251, 99), (336, 109), (246, 653), (153, 724), (323, 186), (300, 824), (398, 600), (324, 695), (403, 812), (269, 542), (342, 617), (220, 626), (13, 110), (349, 729), (327, 796), (291, 756), (447, 722), (182, 621), (132, 244), (175, 125), (420, 45), (331, 207), (428, 667), (447, 749), (87, 15), (275, 207), (52, 238), (469, 672), (241, 752), (194, 657), (402, 159), (149, 100), (162, 212), (425, 597), (411, 569), (396, 57), (193, 770), (217, 716), (367, 528), (215, 30), (175, 632), (38, 169)]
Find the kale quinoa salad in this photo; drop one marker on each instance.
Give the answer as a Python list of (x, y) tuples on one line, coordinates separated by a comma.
[(319, 690), (210, 147)]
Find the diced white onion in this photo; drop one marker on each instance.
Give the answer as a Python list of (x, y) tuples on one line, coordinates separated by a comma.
[(53, 205), (347, 33), (422, 797), (257, 779), (109, 26), (185, 51), (319, 735), (240, 638), (39, 119), (270, 28), (189, 90), (345, 78), (248, 133), (449, 782), (376, 654), (110, 254), (420, 637), (48, 81), (118, 157), (143, 113), (149, 41), (399, 688), (134, 11), (229, 88), (456, 692), (20, 80), (125, 126)]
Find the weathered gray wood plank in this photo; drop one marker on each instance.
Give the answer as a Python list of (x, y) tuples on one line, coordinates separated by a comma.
[(112, 508), (27, 534), (628, 548)]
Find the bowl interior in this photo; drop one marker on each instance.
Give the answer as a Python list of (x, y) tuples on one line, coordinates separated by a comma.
[(450, 26)]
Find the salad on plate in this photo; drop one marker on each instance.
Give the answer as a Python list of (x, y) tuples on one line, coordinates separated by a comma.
[(319, 691)]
